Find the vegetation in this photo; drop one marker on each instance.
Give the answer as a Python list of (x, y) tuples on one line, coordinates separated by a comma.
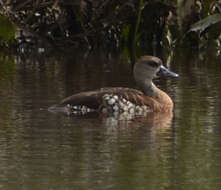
[(111, 24)]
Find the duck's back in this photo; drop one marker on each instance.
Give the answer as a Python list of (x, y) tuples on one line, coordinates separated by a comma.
[(106, 100)]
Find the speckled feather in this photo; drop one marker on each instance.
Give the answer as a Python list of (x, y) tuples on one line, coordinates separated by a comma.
[(94, 99)]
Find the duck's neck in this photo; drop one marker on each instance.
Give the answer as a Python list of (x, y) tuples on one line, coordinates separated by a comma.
[(150, 89)]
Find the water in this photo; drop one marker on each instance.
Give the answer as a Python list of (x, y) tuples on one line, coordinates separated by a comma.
[(42, 150)]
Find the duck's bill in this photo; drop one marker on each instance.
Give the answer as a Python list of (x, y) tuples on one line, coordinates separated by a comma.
[(166, 72)]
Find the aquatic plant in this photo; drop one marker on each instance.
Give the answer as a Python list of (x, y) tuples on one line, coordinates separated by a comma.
[(107, 24)]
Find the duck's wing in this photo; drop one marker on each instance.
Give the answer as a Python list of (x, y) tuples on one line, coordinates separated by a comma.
[(79, 102), (93, 99)]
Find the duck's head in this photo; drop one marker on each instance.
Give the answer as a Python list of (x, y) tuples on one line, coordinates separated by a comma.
[(147, 68)]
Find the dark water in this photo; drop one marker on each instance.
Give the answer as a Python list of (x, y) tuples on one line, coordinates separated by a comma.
[(41, 150)]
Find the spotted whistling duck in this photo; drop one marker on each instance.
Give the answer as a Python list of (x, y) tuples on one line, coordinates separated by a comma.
[(124, 100)]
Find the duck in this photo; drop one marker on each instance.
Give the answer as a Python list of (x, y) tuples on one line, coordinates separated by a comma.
[(123, 100)]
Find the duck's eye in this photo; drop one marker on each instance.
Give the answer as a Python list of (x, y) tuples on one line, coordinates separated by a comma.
[(153, 64)]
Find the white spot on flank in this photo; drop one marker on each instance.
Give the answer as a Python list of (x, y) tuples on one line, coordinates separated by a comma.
[(106, 97), (115, 97), (111, 101), (131, 110), (116, 108)]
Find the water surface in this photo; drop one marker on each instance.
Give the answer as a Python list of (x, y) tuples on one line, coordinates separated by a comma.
[(41, 150)]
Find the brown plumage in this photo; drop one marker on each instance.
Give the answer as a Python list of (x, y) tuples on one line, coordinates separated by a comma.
[(93, 99), (116, 99)]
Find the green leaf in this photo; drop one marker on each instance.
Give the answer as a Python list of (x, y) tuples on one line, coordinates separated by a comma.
[(7, 29)]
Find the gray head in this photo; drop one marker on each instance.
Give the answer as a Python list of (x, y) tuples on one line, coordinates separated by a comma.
[(147, 68)]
